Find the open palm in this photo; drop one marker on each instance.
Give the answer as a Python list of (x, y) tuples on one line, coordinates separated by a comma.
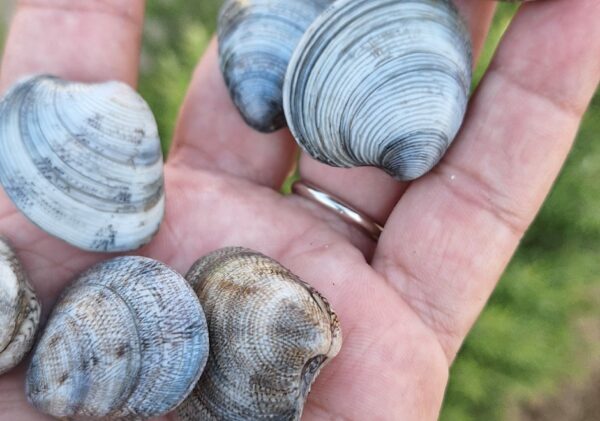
[(406, 303)]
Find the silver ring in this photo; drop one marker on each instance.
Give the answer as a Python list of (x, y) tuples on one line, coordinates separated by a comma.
[(343, 210)]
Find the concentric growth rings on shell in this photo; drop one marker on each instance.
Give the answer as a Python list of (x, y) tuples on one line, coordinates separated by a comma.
[(83, 161)]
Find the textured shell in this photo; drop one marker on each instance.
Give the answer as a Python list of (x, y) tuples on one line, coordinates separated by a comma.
[(83, 161), (256, 41), (380, 83), (127, 340), (270, 335), (19, 310)]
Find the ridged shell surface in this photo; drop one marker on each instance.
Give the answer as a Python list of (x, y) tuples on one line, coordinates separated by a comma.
[(128, 340), (19, 310), (256, 41), (380, 83), (83, 161), (270, 335)]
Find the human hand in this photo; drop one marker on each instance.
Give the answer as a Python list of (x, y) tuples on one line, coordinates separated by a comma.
[(406, 303)]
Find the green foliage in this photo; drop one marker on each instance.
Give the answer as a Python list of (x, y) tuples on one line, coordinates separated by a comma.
[(502, 19), (2, 33), (175, 35), (2, 30), (525, 341)]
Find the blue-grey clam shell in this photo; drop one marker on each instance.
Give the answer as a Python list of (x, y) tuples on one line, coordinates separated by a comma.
[(128, 340), (83, 161), (380, 83), (256, 41)]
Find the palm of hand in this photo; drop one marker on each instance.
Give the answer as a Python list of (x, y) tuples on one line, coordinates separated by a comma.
[(405, 312), (235, 213)]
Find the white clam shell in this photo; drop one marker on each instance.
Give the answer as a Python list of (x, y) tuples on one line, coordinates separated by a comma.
[(256, 41), (19, 310), (83, 161), (127, 340), (270, 335), (380, 83)]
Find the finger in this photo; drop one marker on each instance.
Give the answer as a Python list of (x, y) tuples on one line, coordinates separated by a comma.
[(454, 231), (370, 189), (212, 135), (89, 41)]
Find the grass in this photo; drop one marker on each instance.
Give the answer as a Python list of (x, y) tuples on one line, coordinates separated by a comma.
[(524, 344)]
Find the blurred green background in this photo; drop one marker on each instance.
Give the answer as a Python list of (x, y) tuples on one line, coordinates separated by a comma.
[(535, 352)]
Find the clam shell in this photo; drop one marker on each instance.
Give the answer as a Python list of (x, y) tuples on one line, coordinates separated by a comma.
[(256, 41), (127, 340), (270, 335), (380, 83), (19, 310), (83, 161)]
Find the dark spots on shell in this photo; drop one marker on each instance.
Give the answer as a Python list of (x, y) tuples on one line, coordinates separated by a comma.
[(91, 362), (48, 170), (94, 360), (121, 350), (53, 341), (95, 121), (139, 135), (63, 378), (100, 298), (82, 138), (19, 192), (227, 285), (124, 196), (105, 239)]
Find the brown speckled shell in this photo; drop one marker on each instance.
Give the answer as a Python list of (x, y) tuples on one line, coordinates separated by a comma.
[(270, 335)]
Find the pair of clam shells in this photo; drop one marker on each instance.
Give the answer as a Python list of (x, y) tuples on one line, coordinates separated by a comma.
[(130, 339), (381, 83), (83, 161)]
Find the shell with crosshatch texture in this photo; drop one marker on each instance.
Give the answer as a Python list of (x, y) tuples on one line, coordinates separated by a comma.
[(270, 334), (127, 340)]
